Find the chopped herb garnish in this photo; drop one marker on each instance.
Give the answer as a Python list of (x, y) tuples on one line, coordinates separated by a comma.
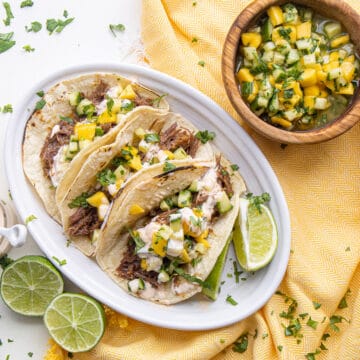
[(201, 63), (323, 347), (26, 3), (288, 93), (156, 101), (316, 305), (80, 201), (312, 323), (264, 336), (234, 167), (67, 119), (194, 3), (127, 105), (303, 315), (194, 40), (190, 278), (348, 248), (152, 138), (311, 356), (30, 218), (205, 136), (5, 42), (30, 354), (7, 357), (139, 243), (40, 104), (109, 104), (336, 319), (116, 27), (256, 201), (241, 344), (168, 166), (237, 273), (9, 14), (60, 262), (65, 14), (5, 261), (343, 304), (285, 33), (35, 27), (231, 301), (106, 177), (247, 88), (293, 329), (41, 94), (325, 336), (53, 25), (28, 48), (7, 109), (280, 347), (222, 341)]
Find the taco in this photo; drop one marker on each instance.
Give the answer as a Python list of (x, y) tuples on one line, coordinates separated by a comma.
[(79, 115), (164, 252), (150, 139)]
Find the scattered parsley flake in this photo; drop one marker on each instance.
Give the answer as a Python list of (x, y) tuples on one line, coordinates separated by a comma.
[(316, 305), (0, 342), (26, 3), (53, 25), (311, 356), (30, 354), (10, 196), (283, 146), (348, 248), (325, 336), (35, 27), (194, 3), (30, 218), (60, 262), (194, 40), (256, 201), (168, 166), (65, 14), (243, 279), (323, 320), (336, 319), (241, 344), (5, 261), (10, 340), (231, 301), (116, 27), (40, 93), (7, 109), (156, 101), (201, 63), (323, 347), (28, 48), (190, 278), (237, 273), (234, 167), (7, 357), (280, 347), (303, 315), (312, 323), (40, 104), (6, 42), (264, 336), (9, 14), (222, 341), (79, 201), (106, 177), (205, 136)]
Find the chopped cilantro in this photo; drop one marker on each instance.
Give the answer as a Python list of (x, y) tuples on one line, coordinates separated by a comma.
[(288, 93), (28, 48), (9, 14), (53, 25), (40, 104), (116, 27), (241, 344), (343, 304), (316, 305), (168, 166), (312, 323), (336, 319), (234, 167), (152, 138), (247, 88), (35, 27), (80, 201), (194, 3), (205, 136), (6, 42), (325, 336), (65, 14), (280, 347), (231, 301), (10, 340), (156, 101), (201, 63), (127, 106), (7, 109), (30, 218), (60, 262), (285, 33), (293, 329), (348, 248), (26, 3), (323, 347), (67, 119), (311, 356), (264, 335), (237, 273), (259, 68), (41, 94), (7, 357), (5, 261), (139, 243), (106, 177), (256, 201), (303, 315), (109, 104), (190, 278), (194, 40)]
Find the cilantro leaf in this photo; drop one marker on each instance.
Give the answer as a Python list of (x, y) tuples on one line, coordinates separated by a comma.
[(9, 14), (139, 243), (256, 201), (60, 262), (57, 25), (311, 356), (152, 138), (168, 166), (26, 3), (65, 14), (241, 344), (234, 167), (116, 27), (28, 48), (316, 305), (231, 301), (80, 201), (5, 261), (5, 42), (40, 104), (30, 218), (40, 93), (7, 109), (67, 119), (156, 101), (106, 177), (109, 104), (312, 323), (35, 27), (205, 136), (343, 304), (190, 278), (201, 63)]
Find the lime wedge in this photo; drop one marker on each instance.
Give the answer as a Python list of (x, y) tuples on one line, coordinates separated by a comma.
[(29, 284), (76, 322), (214, 278), (255, 236)]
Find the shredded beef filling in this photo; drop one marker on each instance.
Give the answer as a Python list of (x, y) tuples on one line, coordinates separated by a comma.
[(54, 143), (130, 267), (141, 101), (175, 137), (84, 221), (224, 178), (98, 94), (107, 126), (200, 198)]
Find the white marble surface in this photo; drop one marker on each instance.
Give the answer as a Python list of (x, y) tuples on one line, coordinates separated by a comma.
[(84, 41)]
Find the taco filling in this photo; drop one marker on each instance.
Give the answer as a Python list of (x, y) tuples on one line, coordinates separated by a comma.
[(165, 247), (147, 148), (92, 117)]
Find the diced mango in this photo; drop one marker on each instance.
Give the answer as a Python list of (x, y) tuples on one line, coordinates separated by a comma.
[(99, 198), (303, 30), (159, 244), (169, 154), (308, 78), (276, 15), (128, 93), (339, 41), (85, 131), (272, 80), (185, 256), (290, 103), (107, 117), (297, 88), (135, 163), (309, 104), (350, 59), (278, 34), (331, 66), (316, 67), (280, 121), (244, 75), (334, 56), (202, 238), (347, 71), (323, 92), (321, 76), (251, 39), (346, 90), (312, 91), (330, 85), (255, 90), (128, 152), (136, 209)]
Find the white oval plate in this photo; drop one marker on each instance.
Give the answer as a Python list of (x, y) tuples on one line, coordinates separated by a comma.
[(196, 313)]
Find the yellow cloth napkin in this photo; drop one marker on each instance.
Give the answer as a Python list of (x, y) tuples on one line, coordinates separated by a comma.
[(321, 184)]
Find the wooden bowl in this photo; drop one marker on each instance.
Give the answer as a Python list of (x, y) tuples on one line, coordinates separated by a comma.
[(332, 9)]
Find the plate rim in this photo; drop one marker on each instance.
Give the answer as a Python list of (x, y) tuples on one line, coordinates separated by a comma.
[(219, 112)]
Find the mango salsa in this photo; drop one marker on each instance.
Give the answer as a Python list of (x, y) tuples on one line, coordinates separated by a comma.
[(85, 131)]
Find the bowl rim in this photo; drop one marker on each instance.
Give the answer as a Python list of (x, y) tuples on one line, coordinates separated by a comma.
[(228, 66)]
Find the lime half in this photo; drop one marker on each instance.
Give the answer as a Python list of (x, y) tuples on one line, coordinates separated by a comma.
[(76, 322), (255, 236), (29, 284)]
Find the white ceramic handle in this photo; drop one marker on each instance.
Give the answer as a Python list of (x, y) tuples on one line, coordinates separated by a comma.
[(16, 235)]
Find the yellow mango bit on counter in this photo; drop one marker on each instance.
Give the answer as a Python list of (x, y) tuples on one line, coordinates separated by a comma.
[(135, 163), (244, 75), (85, 131), (251, 39), (136, 209), (99, 198), (308, 78), (107, 117), (348, 71), (280, 121), (276, 15), (303, 30), (340, 41), (128, 93), (312, 91), (159, 244), (346, 90)]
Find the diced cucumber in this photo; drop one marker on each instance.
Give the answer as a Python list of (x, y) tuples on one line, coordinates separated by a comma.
[(247, 63), (165, 205), (292, 57), (164, 232), (304, 44), (266, 89), (349, 48), (325, 59), (278, 58), (68, 154), (73, 147), (85, 107), (223, 204), (194, 187), (283, 47), (342, 54), (260, 76), (292, 114), (74, 138), (309, 59), (340, 82), (332, 29), (75, 98), (163, 276), (290, 13), (266, 30), (250, 53), (135, 285), (263, 102), (180, 154), (268, 46), (268, 56), (175, 222), (321, 104), (274, 105), (84, 143), (120, 172), (279, 75), (254, 106), (334, 74), (184, 199), (255, 29), (306, 14)]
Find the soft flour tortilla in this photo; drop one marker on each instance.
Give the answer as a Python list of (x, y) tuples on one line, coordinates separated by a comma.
[(148, 119), (42, 121), (148, 194)]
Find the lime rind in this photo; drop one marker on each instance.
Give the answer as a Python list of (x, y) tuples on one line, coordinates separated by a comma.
[(76, 322)]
